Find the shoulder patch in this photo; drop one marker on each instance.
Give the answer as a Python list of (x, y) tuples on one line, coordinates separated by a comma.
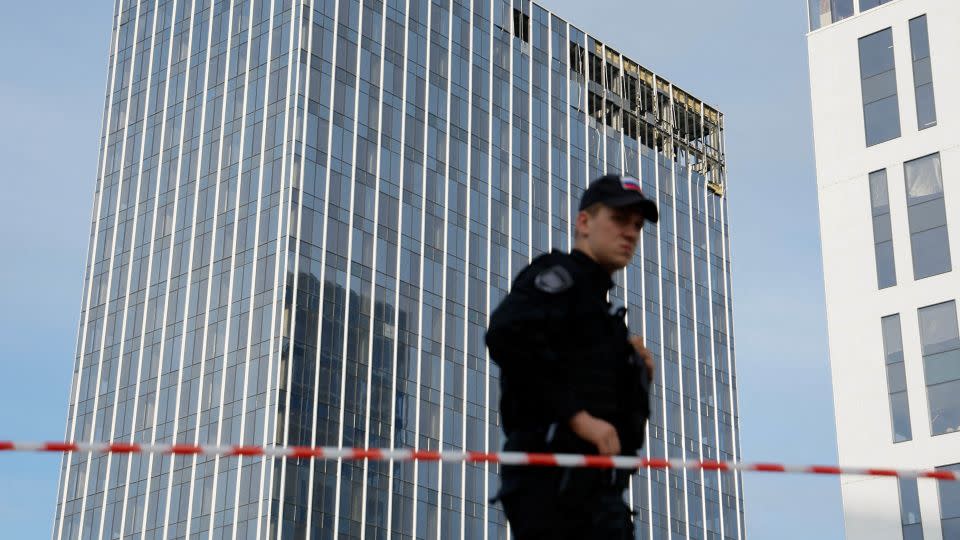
[(553, 280)]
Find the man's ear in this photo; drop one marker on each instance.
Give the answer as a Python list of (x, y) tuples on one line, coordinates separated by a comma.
[(581, 222)]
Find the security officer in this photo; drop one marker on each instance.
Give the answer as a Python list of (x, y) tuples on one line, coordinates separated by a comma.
[(572, 379)]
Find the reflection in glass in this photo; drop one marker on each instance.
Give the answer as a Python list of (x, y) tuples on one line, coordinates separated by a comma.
[(922, 73), (950, 504), (929, 239), (940, 343), (896, 379), (825, 12), (882, 232), (882, 120), (870, 4), (910, 509), (878, 83)]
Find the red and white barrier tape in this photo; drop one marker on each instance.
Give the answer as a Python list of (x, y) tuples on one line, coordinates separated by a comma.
[(455, 456)]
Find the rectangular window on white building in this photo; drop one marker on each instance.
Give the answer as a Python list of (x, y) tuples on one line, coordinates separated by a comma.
[(878, 85), (896, 378), (825, 12), (950, 504), (870, 4), (940, 343), (929, 240), (882, 232), (910, 510), (922, 73)]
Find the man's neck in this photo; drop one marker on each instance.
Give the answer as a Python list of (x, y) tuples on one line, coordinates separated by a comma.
[(582, 247)]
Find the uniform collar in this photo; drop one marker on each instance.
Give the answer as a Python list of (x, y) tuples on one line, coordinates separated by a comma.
[(597, 275)]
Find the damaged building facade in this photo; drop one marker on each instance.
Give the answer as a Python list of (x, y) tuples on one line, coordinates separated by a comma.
[(304, 213)]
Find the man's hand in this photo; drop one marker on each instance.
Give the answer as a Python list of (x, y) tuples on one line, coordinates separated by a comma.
[(597, 431), (644, 353)]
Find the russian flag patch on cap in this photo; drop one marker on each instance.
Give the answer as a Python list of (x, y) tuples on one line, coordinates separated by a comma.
[(631, 183)]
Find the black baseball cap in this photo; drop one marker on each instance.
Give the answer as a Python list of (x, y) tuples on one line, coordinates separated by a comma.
[(618, 191)]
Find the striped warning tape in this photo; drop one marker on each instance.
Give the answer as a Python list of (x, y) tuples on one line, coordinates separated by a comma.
[(456, 456)]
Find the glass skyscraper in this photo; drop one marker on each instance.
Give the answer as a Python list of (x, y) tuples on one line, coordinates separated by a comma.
[(304, 213)]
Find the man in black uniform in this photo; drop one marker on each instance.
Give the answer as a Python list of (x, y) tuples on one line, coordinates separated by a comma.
[(572, 379)]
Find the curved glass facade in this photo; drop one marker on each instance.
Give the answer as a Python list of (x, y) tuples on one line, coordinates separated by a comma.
[(304, 212)]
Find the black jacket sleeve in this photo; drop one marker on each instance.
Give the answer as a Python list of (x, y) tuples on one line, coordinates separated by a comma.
[(528, 338)]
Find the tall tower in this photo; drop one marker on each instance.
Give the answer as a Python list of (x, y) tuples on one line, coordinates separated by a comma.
[(882, 79), (304, 212)]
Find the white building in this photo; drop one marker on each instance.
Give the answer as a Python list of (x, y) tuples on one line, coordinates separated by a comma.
[(884, 82)]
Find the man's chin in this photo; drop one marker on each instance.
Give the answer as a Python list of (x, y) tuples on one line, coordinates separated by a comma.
[(618, 263)]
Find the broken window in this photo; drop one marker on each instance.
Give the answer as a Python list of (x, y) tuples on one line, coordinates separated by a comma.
[(645, 134), (686, 116), (576, 58), (595, 106), (630, 92), (613, 115), (630, 124), (664, 111), (521, 25), (646, 91), (596, 68), (613, 79)]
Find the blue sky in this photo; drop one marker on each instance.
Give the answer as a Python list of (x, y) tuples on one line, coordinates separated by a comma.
[(748, 58)]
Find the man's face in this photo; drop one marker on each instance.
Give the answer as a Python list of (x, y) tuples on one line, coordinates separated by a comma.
[(610, 236)]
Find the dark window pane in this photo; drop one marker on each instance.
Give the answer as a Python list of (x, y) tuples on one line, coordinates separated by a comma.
[(879, 86), (944, 408), (900, 417), (870, 4), (886, 268), (881, 228), (909, 502), (896, 378), (882, 120), (940, 367), (927, 215), (841, 9), (926, 107), (931, 252), (919, 40), (913, 532), (950, 504), (876, 53), (921, 72), (951, 527)]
